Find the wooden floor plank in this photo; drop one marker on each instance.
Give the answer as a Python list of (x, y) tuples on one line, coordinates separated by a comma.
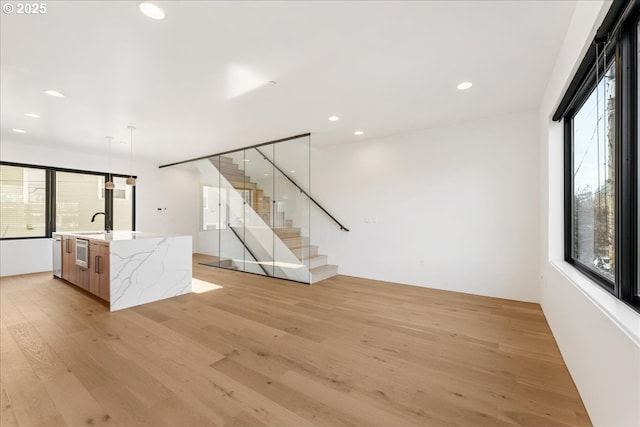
[(75, 403), (7, 417), (44, 361), (30, 404), (258, 351)]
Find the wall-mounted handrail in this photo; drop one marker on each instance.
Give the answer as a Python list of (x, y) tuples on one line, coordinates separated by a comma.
[(248, 250), (342, 227)]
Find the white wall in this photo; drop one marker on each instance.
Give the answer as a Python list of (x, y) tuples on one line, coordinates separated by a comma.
[(599, 336), (174, 190), (25, 256), (455, 208)]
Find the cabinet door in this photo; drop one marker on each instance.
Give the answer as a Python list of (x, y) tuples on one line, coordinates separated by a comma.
[(69, 267), (82, 277)]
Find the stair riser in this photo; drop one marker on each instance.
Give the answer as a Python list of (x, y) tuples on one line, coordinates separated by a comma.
[(296, 242), (305, 252), (325, 274), (241, 185), (318, 261), (286, 233)]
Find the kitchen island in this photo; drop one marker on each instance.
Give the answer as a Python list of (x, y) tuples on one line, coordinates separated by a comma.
[(127, 268)]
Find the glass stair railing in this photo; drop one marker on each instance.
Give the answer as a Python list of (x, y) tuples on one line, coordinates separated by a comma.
[(256, 211)]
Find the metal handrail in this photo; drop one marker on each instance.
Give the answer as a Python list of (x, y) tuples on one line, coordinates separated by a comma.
[(249, 250), (342, 227)]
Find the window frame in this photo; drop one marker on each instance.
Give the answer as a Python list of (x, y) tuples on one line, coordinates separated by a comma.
[(50, 198), (47, 201), (621, 48)]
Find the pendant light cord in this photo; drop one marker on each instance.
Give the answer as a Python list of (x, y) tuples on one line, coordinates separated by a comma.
[(131, 153), (109, 138), (131, 180)]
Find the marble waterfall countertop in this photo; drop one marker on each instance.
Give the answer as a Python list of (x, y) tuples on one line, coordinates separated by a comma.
[(144, 267)]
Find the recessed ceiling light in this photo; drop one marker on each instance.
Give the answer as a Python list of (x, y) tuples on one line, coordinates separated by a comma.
[(19, 131), (358, 132), (35, 116), (151, 10), (266, 174), (292, 171), (246, 160), (54, 93), (464, 85), (334, 118)]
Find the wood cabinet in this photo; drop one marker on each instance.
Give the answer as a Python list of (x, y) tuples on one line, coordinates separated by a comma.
[(95, 278), (99, 272), (82, 277), (69, 267)]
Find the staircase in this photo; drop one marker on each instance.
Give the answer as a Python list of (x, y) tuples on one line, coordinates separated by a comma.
[(283, 228)]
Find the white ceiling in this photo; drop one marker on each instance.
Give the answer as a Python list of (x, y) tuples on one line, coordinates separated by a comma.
[(196, 83)]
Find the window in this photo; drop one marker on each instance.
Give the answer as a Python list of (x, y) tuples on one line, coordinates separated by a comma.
[(79, 202), (38, 200), (601, 113), (594, 147), (122, 204), (23, 197)]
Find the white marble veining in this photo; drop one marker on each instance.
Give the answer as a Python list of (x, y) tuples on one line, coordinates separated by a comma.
[(144, 267), (149, 269)]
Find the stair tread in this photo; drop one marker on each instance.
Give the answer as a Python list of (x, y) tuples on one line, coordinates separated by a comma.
[(323, 268), (296, 242), (289, 231), (295, 245)]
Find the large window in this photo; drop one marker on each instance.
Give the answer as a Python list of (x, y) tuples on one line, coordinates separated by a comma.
[(601, 114), (594, 147), (80, 202), (23, 202), (38, 200)]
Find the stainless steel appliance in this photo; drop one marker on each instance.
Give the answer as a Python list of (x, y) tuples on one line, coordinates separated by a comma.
[(82, 253), (57, 255)]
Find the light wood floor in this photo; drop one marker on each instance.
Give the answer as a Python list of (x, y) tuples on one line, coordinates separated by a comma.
[(263, 352)]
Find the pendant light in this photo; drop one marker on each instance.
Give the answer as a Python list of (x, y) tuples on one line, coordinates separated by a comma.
[(109, 184), (131, 180)]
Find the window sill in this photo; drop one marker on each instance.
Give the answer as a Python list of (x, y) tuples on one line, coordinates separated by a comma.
[(625, 317)]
